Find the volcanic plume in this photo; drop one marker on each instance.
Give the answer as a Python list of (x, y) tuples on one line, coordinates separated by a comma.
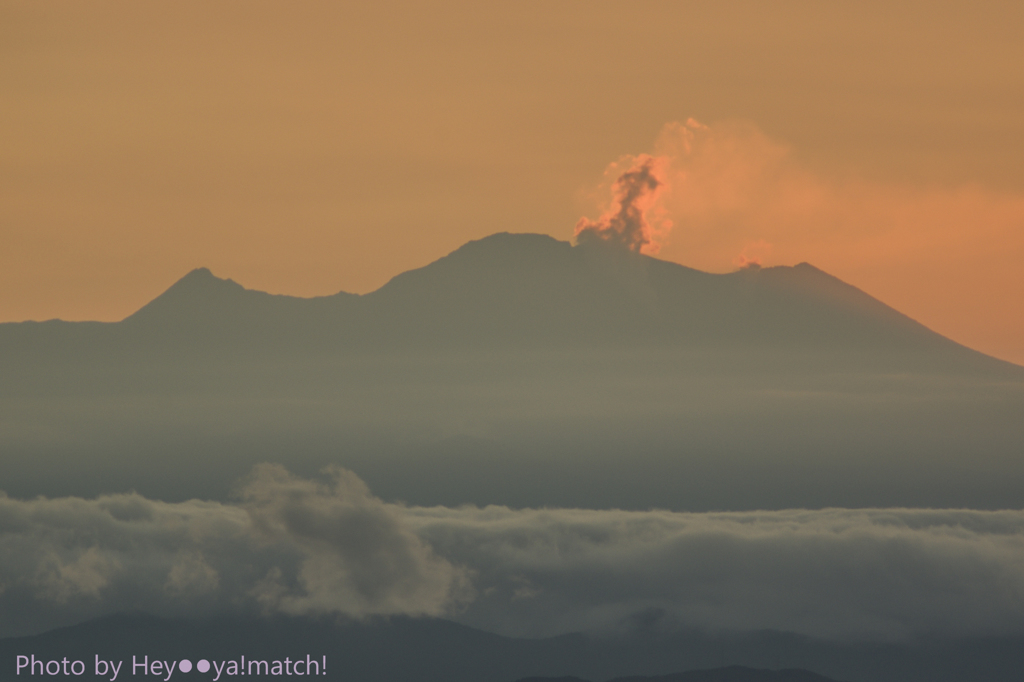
[(627, 221)]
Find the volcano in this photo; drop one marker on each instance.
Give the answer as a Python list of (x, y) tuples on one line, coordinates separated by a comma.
[(526, 371), (527, 291)]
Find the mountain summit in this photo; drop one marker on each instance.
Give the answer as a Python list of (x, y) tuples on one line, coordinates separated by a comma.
[(525, 371), (522, 291)]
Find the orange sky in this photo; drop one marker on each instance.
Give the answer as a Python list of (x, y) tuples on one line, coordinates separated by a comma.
[(312, 147)]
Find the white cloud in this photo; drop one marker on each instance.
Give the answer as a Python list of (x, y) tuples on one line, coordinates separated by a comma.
[(835, 572), (290, 545), (302, 546)]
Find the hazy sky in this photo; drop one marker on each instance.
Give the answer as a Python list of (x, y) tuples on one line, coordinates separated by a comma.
[(306, 148)]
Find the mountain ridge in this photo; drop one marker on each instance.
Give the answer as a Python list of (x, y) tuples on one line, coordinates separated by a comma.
[(403, 649), (523, 293), (457, 382), (531, 290), (587, 294)]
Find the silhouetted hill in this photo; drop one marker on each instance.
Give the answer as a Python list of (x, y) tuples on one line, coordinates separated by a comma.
[(733, 673), (516, 292), (199, 299), (510, 290), (431, 650), (525, 371)]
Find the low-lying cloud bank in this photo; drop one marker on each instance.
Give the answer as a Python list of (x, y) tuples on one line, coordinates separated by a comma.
[(299, 546), (289, 545)]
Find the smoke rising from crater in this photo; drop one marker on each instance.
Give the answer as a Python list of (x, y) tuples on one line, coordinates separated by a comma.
[(727, 195), (628, 222)]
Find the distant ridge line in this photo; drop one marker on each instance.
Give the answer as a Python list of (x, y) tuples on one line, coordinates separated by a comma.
[(510, 293), (732, 673)]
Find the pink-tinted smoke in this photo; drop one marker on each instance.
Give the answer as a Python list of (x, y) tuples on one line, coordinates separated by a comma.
[(628, 222), (947, 256)]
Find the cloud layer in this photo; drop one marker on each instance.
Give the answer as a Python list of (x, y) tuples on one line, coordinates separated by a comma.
[(289, 545), (879, 573), (302, 546)]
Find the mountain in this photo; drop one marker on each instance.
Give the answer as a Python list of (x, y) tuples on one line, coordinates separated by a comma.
[(522, 288), (528, 291), (733, 673), (432, 650), (521, 370)]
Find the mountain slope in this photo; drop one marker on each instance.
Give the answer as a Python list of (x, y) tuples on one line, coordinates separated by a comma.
[(525, 291), (430, 650), (521, 370)]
